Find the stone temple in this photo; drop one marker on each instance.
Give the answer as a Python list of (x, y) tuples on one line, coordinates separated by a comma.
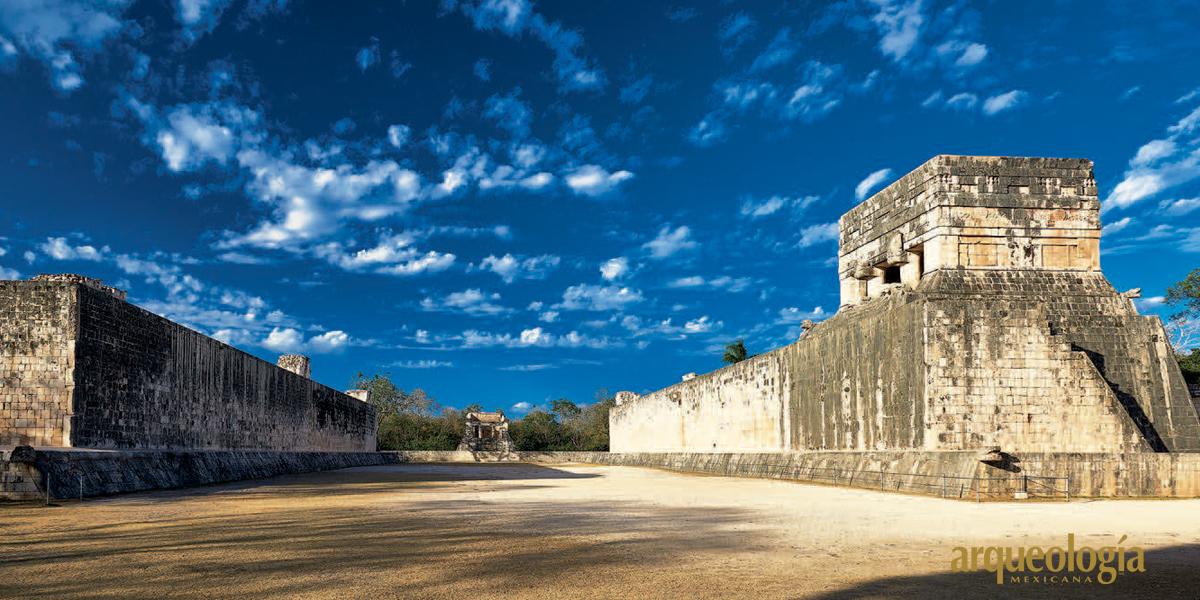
[(974, 316)]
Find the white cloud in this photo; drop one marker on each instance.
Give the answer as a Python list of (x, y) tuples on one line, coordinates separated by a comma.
[(509, 113), (199, 17), (962, 102), (1115, 226), (1152, 303), (520, 408), (239, 258), (1176, 208), (816, 97), (1159, 165), (614, 268), (973, 55), (873, 180), (535, 337), (330, 342), (1153, 152), (284, 340), (708, 131), (398, 135), (900, 25), (51, 31), (1002, 102), (549, 316), (59, 249), (701, 325), (668, 243), (196, 134), (598, 298), (9, 274), (664, 329), (816, 234), (367, 56), (687, 282), (755, 209), (394, 254), (592, 180), (422, 364), (511, 268), (1188, 96), (516, 17), (729, 283), (724, 282), (525, 406), (735, 30), (471, 301), (780, 51), (795, 315), (933, 100), (1129, 93)]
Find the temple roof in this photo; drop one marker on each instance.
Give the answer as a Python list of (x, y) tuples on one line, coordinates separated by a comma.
[(487, 417)]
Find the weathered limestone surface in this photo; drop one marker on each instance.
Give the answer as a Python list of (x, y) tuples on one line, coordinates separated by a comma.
[(37, 362), (69, 473), (952, 474), (83, 368), (974, 315)]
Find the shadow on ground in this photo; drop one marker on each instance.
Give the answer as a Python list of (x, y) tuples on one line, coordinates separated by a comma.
[(1171, 572), (433, 531)]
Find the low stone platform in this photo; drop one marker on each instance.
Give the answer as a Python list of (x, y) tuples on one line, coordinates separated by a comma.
[(951, 474), (69, 472), (72, 472)]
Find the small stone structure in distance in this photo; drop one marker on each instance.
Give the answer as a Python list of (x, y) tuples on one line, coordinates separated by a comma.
[(487, 432), (974, 317)]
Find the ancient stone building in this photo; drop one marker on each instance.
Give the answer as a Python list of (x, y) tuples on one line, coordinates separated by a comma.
[(486, 432), (973, 315), (81, 367)]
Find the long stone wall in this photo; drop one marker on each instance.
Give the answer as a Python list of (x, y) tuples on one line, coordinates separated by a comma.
[(95, 371), (951, 366), (71, 473), (953, 475)]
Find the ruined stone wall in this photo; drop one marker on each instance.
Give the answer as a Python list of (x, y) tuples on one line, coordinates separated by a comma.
[(859, 379), (854, 382), (1050, 362), (743, 406), (142, 381), (954, 365), (37, 357)]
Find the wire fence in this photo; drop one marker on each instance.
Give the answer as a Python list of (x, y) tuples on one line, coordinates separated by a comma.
[(1017, 485)]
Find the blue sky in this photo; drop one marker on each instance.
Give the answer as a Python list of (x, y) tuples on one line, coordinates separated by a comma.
[(507, 202)]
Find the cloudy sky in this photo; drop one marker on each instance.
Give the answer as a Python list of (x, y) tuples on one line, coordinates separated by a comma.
[(507, 202)]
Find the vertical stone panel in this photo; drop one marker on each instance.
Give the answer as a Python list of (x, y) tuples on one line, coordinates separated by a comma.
[(37, 340)]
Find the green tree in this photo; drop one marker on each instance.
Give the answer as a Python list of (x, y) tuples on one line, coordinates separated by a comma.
[(389, 399), (1190, 365), (1184, 326), (571, 423), (735, 352), (595, 421), (538, 431)]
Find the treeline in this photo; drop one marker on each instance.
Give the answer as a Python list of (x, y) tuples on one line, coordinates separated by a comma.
[(414, 421)]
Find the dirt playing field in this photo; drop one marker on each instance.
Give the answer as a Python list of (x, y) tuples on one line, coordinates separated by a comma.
[(564, 531)]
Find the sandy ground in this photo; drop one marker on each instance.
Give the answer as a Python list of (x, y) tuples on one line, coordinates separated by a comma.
[(564, 531)]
